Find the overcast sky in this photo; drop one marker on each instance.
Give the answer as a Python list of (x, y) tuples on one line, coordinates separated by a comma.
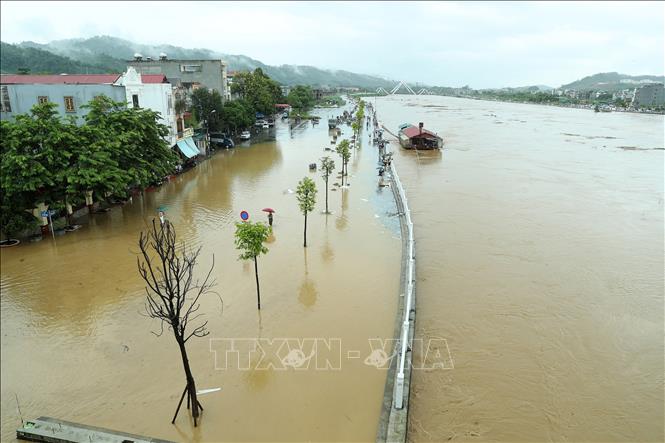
[(438, 43)]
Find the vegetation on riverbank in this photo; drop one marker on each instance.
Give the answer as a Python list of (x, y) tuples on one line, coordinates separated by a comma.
[(331, 101), (50, 160)]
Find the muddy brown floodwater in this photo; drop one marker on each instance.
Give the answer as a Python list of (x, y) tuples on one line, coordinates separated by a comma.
[(539, 237), (75, 345)]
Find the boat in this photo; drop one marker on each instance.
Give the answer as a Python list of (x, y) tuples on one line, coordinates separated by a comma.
[(245, 135), (416, 137)]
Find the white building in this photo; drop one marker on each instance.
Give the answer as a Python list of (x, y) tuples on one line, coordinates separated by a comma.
[(151, 91)]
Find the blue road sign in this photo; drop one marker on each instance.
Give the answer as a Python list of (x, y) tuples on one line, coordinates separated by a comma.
[(244, 215)]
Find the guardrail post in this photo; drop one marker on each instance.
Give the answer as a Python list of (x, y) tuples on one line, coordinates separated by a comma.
[(398, 401)]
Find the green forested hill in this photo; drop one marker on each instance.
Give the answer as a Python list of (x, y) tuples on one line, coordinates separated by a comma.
[(112, 53), (14, 58), (612, 81)]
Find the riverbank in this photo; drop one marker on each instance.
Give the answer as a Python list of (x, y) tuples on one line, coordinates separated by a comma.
[(559, 105)]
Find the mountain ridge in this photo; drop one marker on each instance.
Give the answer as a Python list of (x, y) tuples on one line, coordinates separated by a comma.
[(110, 54), (114, 53)]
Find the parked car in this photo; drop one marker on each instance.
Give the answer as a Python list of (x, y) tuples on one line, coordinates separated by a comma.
[(221, 140), (245, 135)]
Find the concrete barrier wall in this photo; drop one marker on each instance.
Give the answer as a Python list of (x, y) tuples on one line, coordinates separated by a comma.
[(393, 423)]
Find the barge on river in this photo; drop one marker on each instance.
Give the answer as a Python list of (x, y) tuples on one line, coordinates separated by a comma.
[(416, 137)]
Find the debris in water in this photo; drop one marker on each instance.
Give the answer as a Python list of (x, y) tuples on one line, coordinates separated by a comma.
[(207, 391)]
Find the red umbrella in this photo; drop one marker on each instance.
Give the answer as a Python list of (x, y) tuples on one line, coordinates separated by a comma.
[(268, 210)]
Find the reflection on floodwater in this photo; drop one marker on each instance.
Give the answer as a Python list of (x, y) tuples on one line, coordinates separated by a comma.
[(76, 346)]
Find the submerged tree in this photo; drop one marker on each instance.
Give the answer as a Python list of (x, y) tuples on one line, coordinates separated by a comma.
[(173, 294), (249, 239), (344, 152), (306, 195), (327, 167)]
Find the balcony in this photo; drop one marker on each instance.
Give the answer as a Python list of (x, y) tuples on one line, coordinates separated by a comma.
[(188, 132)]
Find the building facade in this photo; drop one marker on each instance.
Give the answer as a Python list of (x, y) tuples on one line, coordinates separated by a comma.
[(649, 95), (189, 74), (69, 92), (151, 92), (19, 93)]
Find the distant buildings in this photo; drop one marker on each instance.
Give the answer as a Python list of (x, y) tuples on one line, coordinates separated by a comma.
[(649, 95), (188, 74)]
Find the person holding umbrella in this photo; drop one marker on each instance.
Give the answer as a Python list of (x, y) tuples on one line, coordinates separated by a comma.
[(270, 212)]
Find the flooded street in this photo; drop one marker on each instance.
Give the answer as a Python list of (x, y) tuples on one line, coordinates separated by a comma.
[(75, 344), (540, 260)]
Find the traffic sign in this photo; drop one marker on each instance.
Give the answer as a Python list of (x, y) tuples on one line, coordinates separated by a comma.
[(47, 213), (244, 215)]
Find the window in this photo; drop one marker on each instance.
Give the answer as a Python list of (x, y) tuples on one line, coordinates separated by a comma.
[(170, 104), (190, 68), (69, 104), (5, 106), (42, 99), (135, 100)]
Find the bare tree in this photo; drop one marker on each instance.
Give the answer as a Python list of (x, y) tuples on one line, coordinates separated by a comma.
[(172, 295)]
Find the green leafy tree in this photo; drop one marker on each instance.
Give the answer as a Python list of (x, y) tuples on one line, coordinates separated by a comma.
[(138, 140), (355, 126), (45, 158), (258, 89), (327, 167), (237, 114), (207, 107), (36, 149), (306, 195), (344, 151), (14, 217), (249, 239), (301, 98)]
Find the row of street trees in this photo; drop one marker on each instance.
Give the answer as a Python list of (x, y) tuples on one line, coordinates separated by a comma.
[(358, 122), (55, 161), (167, 269)]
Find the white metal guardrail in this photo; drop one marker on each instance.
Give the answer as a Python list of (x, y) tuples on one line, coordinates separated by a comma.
[(398, 399)]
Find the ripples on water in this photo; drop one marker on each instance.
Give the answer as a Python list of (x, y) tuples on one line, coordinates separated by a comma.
[(75, 345), (540, 261)]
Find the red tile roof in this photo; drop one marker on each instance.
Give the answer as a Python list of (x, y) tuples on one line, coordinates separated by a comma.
[(74, 79), (414, 131), (81, 79), (153, 78)]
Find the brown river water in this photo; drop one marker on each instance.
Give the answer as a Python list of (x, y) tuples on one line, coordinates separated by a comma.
[(539, 237), (540, 262)]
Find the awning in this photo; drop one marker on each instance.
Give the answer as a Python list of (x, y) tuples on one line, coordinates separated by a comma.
[(187, 150), (192, 145)]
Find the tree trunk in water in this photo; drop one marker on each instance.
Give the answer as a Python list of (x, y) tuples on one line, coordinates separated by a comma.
[(191, 386), (258, 291), (305, 232), (326, 195)]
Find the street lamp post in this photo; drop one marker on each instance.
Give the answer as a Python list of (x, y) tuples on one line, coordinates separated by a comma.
[(208, 129)]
